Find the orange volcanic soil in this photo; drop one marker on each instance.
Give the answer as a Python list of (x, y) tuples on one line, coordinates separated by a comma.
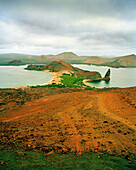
[(74, 122)]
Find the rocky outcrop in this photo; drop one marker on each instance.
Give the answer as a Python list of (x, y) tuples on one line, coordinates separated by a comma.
[(107, 75), (105, 78)]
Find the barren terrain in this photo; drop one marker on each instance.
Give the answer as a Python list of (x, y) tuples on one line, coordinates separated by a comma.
[(72, 121)]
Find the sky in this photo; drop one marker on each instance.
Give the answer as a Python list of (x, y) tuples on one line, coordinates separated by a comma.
[(85, 27)]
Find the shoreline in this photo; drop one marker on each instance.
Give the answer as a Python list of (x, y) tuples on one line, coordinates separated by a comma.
[(85, 82), (56, 79), (56, 76)]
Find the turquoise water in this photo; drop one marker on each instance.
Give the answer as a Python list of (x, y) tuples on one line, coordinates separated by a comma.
[(14, 76), (120, 77)]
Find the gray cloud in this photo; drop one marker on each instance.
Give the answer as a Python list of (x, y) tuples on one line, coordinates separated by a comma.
[(117, 39), (125, 8), (84, 26)]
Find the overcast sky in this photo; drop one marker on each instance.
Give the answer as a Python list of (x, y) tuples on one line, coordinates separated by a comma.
[(85, 27)]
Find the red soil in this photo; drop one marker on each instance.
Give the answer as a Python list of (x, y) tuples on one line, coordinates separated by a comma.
[(75, 122)]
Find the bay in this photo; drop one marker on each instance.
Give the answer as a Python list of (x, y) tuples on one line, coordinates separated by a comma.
[(120, 77), (14, 76)]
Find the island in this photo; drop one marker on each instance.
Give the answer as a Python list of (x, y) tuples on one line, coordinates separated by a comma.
[(15, 62), (59, 68), (126, 61)]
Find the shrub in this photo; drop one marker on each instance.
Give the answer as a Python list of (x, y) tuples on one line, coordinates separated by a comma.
[(89, 88), (49, 86)]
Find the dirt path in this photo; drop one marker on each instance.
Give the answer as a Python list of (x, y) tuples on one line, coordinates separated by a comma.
[(106, 101)]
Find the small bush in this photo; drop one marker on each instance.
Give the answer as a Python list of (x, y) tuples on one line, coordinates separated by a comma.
[(89, 88), (50, 85), (66, 74)]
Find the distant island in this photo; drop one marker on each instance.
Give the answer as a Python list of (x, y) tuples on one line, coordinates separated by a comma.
[(125, 61), (70, 57), (15, 62), (61, 67)]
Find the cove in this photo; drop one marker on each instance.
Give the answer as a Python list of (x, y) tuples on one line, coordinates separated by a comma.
[(120, 77)]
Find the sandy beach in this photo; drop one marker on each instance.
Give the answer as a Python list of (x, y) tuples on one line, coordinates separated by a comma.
[(56, 76), (85, 83), (20, 87), (56, 79)]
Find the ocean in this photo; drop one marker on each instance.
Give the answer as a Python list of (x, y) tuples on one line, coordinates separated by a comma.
[(120, 77), (14, 76)]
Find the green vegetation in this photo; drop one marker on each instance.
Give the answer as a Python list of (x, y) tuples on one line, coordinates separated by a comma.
[(49, 86), (89, 88), (20, 159), (56, 66), (36, 67), (72, 81), (68, 81)]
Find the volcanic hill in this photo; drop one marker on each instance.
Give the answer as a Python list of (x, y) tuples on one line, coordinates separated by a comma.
[(124, 61), (57, 66), (67, 56)]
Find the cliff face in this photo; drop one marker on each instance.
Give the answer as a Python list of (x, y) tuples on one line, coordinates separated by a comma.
[(61, 65)]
